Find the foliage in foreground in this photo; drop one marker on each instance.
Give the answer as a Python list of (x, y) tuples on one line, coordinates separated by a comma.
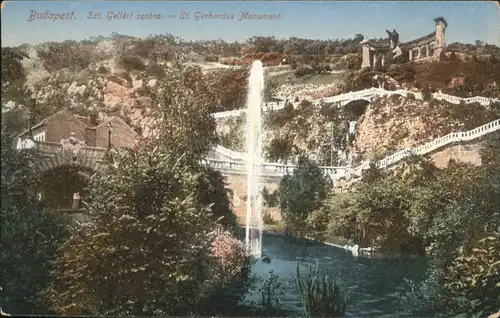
[(149, 247), (451, 214), (271, 292), (321, 295), (231, 277), (31, 234)]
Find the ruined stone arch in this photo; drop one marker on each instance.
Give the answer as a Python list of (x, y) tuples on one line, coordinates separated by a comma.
[(415, 52), (432, 48), (64, 174), (68, 157), (357, 107)]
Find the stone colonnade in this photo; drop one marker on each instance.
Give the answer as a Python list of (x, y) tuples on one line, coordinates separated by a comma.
[(428, 47), (422, 52)]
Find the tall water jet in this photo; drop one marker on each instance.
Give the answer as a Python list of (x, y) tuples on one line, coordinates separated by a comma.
[(254, 225)]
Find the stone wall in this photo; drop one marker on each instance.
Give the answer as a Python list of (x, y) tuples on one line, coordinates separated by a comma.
[(237, 183), (464, 153)]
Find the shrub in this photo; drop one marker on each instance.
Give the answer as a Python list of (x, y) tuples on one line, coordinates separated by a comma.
[(212, 191), (302, 193), (231, 87), (278, 149), (156, 70), (144, 216), (68, 54), (270, 198), (231, 276), (303, 71), (270, 293), (318, 222), (132, 63), (267, 219), (31, 234), (211, 58), (321, 295)]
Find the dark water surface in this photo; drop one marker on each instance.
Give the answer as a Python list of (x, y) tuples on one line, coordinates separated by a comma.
[(372, 282)]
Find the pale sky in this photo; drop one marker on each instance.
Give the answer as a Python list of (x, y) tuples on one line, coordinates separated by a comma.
[(467, 21)]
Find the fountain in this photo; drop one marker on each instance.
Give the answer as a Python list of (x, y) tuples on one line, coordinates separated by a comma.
[(254, 225), (371, 298)]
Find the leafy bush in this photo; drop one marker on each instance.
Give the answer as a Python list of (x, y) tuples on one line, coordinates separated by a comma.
[(212, 191), (303, 71), (144, 216), (302, 193), (321, 295), (318, 221), (271, 292), (270, 198), (31, 234), (461, 234), (474, 277), (278, 149), (267, 219), (280, 117), (187, 102), (231, 277), (132, 63), (12, 69), (230, 87), (68, 54)]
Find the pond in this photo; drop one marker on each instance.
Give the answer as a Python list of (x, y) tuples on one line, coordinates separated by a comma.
[(371, 281)]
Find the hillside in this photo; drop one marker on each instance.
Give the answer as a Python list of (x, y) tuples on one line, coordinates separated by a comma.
[(394, 123), (118, 75)]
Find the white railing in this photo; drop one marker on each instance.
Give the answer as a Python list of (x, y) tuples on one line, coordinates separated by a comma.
[(269, 169), (231, 155), (276, 169), (367, 94), (485, 101)]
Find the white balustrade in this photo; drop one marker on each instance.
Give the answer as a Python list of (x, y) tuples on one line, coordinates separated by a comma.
[(366, 94), (276, 169)]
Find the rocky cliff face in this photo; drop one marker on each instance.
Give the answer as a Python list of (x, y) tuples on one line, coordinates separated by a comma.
[(103, 86), (394, 123), (106, 85)]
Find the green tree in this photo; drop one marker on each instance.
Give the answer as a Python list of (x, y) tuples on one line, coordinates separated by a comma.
[(466, 240), (13, 79), (186, 126), (302, 193), (31, 234), (12, 69), (148, 250), (461, 235), (212, 190), (184, 114)]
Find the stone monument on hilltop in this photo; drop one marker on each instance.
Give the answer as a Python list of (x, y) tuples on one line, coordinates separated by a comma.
[(427, 47), (393, 38)]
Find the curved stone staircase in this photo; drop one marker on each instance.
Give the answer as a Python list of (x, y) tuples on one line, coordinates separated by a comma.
[(235, 162), (368, 95)]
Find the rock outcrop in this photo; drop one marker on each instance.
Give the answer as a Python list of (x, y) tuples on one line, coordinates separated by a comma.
[(395, 123)]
